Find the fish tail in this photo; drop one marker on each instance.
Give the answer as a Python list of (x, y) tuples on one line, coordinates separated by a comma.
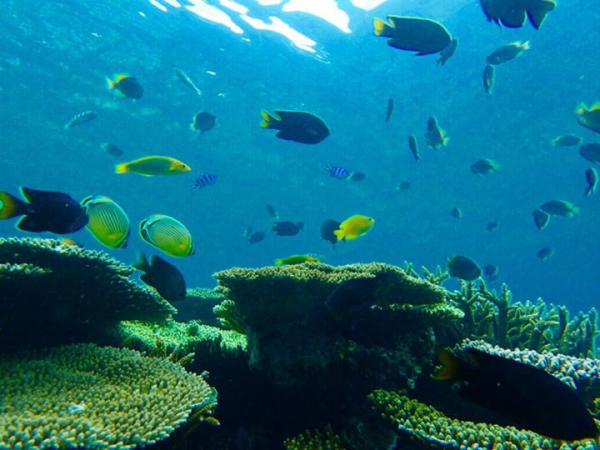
[(381, 28), (10, 206), (141, 262), (450, 366), (581, 109), (110, 84), (267, 119), (340, 234), (122, 168), (526, 45)]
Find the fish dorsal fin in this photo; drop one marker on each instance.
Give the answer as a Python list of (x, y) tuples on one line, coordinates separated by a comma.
[(122, 76), (33, 195)]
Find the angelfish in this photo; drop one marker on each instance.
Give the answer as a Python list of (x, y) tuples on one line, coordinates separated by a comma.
[(185, 79)]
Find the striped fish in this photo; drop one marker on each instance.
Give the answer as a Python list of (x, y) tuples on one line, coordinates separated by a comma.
[(337, 172), (204, 180), (80, 118), (108, 222), (167, 234)]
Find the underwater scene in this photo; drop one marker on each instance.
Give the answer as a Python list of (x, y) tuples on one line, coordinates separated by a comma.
[(299, 224)]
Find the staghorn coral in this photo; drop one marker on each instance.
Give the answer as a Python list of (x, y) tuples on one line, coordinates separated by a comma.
[(430, 428), (230, 317), (315, 440), (66, 292), (92, 397)]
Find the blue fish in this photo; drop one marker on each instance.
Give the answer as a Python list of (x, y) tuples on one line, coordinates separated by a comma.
[(337, 172), (204, 180)]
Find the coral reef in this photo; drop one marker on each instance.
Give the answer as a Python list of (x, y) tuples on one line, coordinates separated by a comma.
[(53, 293), (430, 428), (87, 396), (198, 305), (315, 440)]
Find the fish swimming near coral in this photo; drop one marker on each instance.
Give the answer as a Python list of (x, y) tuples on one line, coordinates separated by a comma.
[(328, 228), (168, 235), (296, 259), (287, 228), (51, 211), (150, 166), (529, 397), (463, 267), (512, 13), (354, 227), (162, 276), (82, 117), (108, 222), (125, 85), (490, 271), (296, 126), (254, 237), (203, 122), (413, 34)]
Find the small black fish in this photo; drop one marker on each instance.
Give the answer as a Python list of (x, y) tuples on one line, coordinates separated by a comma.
[(541, 219), (529, 397), (112, 149), (272, 211), (390, 109), (591, 176), (287, 228), (456, 213), (162, 276), (45, 211), (297, 126), (357, 176), (203, 181), (256, 237), (404, 186), (490, 271), (491, 227), (327, 230), (591, 152), (489, 76), (413, 146), (544, 253), (203, 122), (463, 268), (80, 118)]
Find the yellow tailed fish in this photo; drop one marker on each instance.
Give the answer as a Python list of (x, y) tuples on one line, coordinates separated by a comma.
[(150, 166), (353, 227), (167, 234), (108, 222)]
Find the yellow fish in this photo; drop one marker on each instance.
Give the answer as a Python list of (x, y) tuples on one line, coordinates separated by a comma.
[(108, 222), (296, 259), (589, 117), (150, 166), (168, 235), (354, 227), (125, 85)]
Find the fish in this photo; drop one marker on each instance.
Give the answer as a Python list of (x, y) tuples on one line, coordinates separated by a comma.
[(404, 186), (51, 211), (528, 396), (507, 52), (413, 34), (491, 227), (447, 52), (253, 237), (489, 77), (545, 253), (328, 228), (484, 167), (82, 117), (512, 13), (76, 408), (271, 211), (168, 235), (183, 77), (589, 117), (357, 176), (296, 126), (125, 85), (203, 122), (286, 228), (150, 166), (456, 213), (112, 149), (541, 219), (591, 152), (414, 147), (203, 181), (591, 177), (490, 271), (354, 227), (463, 268), (108, 222), (296, 259), (390, 109), (162, 276), (567, 140), (337, 172), (560, 208), (435, 136)]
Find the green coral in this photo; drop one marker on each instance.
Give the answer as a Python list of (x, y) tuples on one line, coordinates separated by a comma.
[(430, 428), (230, 317), (324, 439), (93, 397)]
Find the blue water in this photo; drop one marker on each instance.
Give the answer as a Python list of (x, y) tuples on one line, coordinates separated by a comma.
[(54, 58)]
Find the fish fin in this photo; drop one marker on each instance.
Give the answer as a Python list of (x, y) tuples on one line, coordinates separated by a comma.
[(340, 234), (10, 206), (450, 369), (526, 45), (141, 262), (537, 16), (381, 28), (122, 168), (121, 76), (267, 119), (110, 84), (29, 224)]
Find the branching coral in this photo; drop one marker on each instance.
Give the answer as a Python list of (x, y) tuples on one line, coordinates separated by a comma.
[(91, 397), (324, 439)]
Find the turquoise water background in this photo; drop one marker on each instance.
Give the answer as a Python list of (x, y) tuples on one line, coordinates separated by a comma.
[(55, 56)]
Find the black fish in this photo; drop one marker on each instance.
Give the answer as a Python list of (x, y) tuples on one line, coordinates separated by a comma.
[(112, 149), (489, 75), (327, 230), (529, 397), (80, 118), (253, 237), (511, 13), (352, 297), (463, 268), (591, 177), (203, 121), (414, 148), (45, 211), (125, 85), (357, 176), (162, 276), (491, 272), (287, 228), (390, 109), (272, 211), (296, 126), (540, 218)]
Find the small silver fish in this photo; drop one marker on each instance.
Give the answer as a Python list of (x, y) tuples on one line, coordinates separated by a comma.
[(591, 176), (80, 118), (187, 81)]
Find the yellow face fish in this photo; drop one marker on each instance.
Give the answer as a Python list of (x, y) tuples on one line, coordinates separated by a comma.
[(589, 117), (125, 85), (354, 227), (150, 166), (296, 259), (108, 222), (168, 235)]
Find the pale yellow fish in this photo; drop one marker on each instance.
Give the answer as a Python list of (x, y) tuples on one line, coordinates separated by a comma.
[(354, 226), (108, 222), (150, 166), (168, 235)]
